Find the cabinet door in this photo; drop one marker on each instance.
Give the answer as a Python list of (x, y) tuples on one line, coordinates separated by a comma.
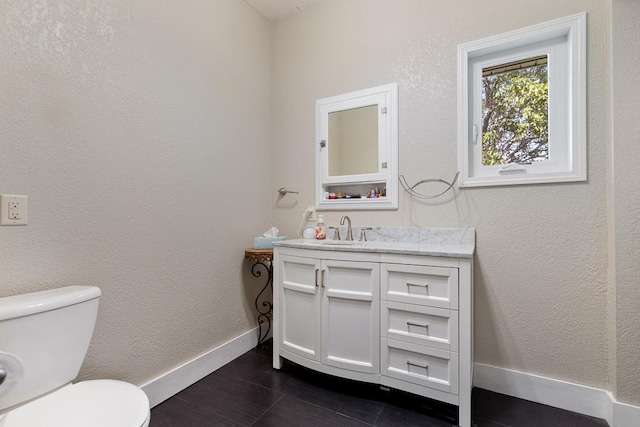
[(350, 315), (300, 306)]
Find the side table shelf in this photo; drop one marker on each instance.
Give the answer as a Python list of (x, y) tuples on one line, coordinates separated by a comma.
[(262, 262)]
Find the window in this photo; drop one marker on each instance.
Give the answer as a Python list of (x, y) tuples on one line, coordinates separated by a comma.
[(522, 113)]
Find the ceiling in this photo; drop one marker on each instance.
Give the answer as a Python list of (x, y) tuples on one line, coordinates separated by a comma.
[(274, 9)]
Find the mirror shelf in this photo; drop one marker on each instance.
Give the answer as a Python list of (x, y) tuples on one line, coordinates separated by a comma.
[(354, 195)]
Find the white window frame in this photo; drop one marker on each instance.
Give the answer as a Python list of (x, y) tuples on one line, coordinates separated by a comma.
[(563, 41)]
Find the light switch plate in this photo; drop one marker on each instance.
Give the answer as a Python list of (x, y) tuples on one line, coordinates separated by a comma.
[(13, 209)]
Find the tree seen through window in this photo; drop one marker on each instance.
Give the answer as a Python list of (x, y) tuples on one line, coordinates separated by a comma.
[(515, 113)]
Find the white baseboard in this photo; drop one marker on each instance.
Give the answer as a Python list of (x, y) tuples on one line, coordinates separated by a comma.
[(166, 385), (590, 401), (623, 415), (548, 391)]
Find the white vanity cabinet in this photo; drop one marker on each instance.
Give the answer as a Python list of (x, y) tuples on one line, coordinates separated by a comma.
[(401, 320), (328, 308)]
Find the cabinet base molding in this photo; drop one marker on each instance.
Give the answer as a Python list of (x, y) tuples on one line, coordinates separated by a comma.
[(317, 366), (573, 397), (420, 391)]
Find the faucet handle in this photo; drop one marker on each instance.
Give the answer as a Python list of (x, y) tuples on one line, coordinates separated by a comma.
[(363, 235), (336, 234)]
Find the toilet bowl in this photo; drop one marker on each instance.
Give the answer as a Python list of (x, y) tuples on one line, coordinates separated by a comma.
[(96, 403), (44, 337)]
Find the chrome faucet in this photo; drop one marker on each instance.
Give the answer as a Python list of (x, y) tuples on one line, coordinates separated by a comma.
[(349, 231)]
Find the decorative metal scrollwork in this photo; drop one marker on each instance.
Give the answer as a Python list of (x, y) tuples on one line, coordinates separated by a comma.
[(265, 310), (262, 263)]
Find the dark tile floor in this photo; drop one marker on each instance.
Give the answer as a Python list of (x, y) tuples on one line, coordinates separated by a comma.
[(249, 392)]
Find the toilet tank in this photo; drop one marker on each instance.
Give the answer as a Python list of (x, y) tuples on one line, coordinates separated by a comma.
[(49, 333)]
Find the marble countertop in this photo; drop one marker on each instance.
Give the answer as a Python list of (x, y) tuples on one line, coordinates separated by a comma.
[(441, 242)]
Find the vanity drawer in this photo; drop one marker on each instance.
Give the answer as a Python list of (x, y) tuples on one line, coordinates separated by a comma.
[(422, 325), (417, 284), (421, 365)]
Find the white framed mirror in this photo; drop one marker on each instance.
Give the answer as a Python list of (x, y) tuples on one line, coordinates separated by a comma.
[(357, 150)]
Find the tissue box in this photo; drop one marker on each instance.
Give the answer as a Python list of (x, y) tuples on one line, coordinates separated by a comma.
[(266, 242)]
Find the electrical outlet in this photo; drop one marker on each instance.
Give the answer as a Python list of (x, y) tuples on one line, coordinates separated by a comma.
[(311, 213), (13, 210)]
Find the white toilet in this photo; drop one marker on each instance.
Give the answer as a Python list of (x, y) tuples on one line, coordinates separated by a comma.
[(44, 337)]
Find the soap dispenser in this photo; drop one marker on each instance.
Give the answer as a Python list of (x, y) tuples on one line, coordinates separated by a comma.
[(321, 230)]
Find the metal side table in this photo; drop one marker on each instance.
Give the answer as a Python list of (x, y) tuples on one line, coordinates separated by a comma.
[(262, 263)]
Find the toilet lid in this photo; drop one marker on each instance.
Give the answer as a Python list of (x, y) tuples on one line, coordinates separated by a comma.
[(97, 403)]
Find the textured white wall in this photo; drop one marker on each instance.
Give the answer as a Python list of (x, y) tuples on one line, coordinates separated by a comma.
[(140, 132), (626, 199), (541, 270)]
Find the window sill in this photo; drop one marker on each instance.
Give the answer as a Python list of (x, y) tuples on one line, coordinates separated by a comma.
[(519, 178)]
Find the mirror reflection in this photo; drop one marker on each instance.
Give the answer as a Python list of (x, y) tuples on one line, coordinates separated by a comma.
[(353, 141)]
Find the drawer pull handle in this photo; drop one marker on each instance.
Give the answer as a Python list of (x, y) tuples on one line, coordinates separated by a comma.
[(418, 365), (422, 285), (421, 325)]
